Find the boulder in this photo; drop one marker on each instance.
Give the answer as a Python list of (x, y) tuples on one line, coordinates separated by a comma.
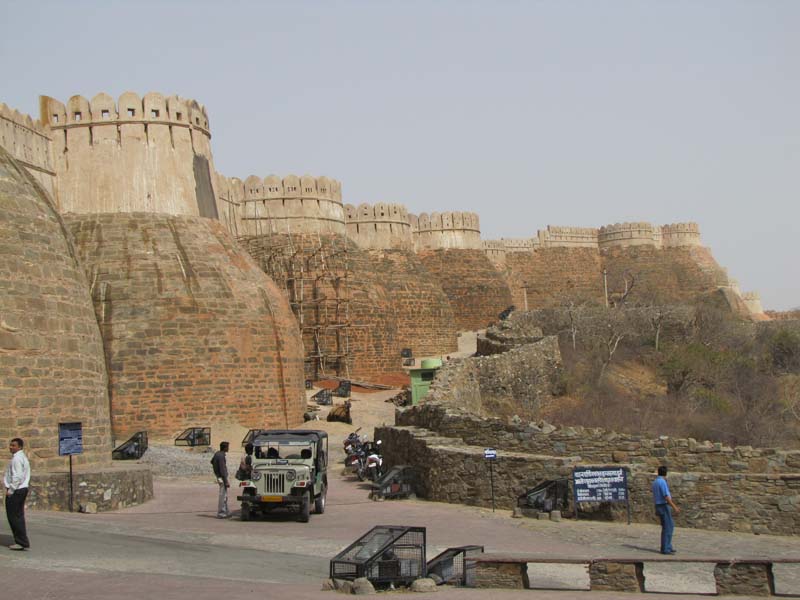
[(90, 508), (363, 587), (423, 584)]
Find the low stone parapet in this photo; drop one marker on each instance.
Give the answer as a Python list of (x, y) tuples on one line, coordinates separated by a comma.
[(739, 576), (110, 489)]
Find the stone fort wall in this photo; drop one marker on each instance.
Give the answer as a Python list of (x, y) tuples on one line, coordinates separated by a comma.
[(477, 291), (195, 334), (28, 142), (150, 154), (52, 367), (379, 225), (275, 205), (668, 263), (446, 230)]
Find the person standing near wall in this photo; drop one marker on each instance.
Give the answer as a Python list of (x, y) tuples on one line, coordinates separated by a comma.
[(664, 507), (220, 465), (16, 479)]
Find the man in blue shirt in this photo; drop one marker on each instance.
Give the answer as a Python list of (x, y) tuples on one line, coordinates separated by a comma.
[(664, 507)]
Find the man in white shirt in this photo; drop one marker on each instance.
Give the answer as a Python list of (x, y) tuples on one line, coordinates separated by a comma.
[(16, 479)]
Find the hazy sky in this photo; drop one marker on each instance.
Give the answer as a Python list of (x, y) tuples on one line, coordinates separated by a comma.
[(528, 113)]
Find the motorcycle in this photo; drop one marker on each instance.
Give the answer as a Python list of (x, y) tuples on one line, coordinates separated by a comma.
[(350, 443), (374, 462)]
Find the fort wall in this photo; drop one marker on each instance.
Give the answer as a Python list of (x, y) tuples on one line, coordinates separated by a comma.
[(379, 225), (446, 230), (195, 335), (52, 367), (753, 302), (568, 237), (150, 154), (617, 235), (426, 320), (28, 142), (673, 274), (680, 234), (551, 276), (496, 249), (477, 291), (288, 205), (629, 234), (347, 318)]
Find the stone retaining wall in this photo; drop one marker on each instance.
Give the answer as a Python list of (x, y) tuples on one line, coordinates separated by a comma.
[(594, 445), (109, 489), (447, 451), (517, 382)]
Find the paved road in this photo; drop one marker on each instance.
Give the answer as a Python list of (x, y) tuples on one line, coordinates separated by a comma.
[(173, 547)]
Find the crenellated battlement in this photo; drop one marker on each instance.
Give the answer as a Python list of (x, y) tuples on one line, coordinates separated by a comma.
[(520, 244), (290, 204), (680, 234), (150, 154), (753, 302), (153, 120), (496, 250), (629, 234), (619, 235), (446, 230), (567, 237), (29, 143), (378, 225)]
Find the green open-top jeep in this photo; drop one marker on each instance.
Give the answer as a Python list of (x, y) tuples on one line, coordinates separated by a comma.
[(289, 470)]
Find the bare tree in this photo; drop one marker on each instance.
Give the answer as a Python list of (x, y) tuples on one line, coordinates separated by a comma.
[(628, 282)]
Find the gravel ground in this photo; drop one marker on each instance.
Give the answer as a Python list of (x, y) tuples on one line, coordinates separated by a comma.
[(174, 461)]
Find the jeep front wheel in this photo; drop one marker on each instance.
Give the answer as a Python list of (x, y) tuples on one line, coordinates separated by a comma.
[(319, 503), (305, 509)]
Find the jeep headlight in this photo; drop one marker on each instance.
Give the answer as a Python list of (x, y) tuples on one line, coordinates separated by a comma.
[(291, 475), (255, 476)]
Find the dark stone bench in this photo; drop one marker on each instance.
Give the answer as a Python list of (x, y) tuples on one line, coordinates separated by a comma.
[(734, 576)]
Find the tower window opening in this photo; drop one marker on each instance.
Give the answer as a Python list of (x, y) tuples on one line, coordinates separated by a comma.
[(77, 116), (105, 114), (131, 112), (55, 118), (179, 116), (154, 113)]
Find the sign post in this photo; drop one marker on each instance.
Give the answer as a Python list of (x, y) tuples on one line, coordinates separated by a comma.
[(601, 484), (70, 441), (490, 454)]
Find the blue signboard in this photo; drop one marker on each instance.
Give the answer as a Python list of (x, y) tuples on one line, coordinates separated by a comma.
[(600, 484), (70, 439), (490, 454)]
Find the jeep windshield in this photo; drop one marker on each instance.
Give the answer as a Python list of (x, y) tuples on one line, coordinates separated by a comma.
[(288, 450)]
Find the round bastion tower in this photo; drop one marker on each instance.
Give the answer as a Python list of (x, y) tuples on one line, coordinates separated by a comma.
[(53, 368), (379, 225), (274, 205), (150, 154), (294, 227), (195, 334)]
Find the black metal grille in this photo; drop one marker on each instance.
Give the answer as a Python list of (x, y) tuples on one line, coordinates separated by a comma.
[(385, 554), (132, 449), (450, 564), (194, 436)]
